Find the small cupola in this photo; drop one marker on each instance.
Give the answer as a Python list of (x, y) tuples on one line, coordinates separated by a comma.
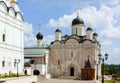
[(89, 29), (89, 33), (58, 30), (58, 34), (95, 36), (39, 36)]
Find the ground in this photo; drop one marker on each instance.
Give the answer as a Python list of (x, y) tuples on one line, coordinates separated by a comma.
[(64, 81)]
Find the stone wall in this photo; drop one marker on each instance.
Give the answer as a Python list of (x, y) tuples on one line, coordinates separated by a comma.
[(63, 57)]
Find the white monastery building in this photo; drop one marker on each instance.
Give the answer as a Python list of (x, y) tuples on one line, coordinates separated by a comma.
[(11, 37)]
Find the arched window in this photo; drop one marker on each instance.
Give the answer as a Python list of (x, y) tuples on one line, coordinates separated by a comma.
[(3, 37), (76, 30), (71, 54)]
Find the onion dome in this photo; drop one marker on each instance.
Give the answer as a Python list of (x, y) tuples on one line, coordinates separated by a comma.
[(77, 21), (58, 30), (95, 34), (89, 29), (39, 36), (13, 1), (66, 35)]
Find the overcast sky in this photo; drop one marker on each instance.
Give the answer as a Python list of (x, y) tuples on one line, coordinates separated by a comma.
[(102, 15)]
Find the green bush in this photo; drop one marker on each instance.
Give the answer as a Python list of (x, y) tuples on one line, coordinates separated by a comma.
[(10, 75), (112, 81)]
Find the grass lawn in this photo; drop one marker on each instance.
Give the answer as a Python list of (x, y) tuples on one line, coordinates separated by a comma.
[(111, 81)]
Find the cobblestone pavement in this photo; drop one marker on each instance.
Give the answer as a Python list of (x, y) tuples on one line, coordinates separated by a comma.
[(64, 81)]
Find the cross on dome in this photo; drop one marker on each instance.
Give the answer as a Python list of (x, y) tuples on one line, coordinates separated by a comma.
[(39, 26), (78, 11)]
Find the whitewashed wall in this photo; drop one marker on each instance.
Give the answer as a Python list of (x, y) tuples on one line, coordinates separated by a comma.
[(11, 24)]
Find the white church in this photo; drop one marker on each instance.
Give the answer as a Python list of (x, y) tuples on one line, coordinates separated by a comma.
[(11, 37)]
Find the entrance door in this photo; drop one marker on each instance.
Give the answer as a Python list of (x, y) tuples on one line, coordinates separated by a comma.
[(25, 72), (71, 71), (36, 72)]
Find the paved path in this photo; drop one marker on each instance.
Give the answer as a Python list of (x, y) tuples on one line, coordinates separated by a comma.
[(65, 81)]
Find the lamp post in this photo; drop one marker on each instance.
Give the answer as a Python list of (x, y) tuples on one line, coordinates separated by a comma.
[(103, 59), (17, 61)]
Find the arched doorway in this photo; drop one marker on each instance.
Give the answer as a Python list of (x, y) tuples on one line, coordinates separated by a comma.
[(71, 71), (36, 72), (25, 72)]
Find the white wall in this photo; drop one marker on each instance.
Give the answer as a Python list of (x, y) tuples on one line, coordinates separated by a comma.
[(12, 48)]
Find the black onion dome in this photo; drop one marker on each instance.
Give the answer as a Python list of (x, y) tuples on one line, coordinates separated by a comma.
[(77, 21), (66, 35), (58, 30), (39, 36), (89, 29), (95, 34)]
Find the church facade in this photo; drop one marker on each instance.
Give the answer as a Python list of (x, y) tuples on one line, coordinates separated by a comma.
[(11, 37), (69, 53)]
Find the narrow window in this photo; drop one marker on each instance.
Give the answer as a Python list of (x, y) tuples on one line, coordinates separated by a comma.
[(76, 30), (3, 37), (58, 62), (71, 54), (3, 63), (44, 60)]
